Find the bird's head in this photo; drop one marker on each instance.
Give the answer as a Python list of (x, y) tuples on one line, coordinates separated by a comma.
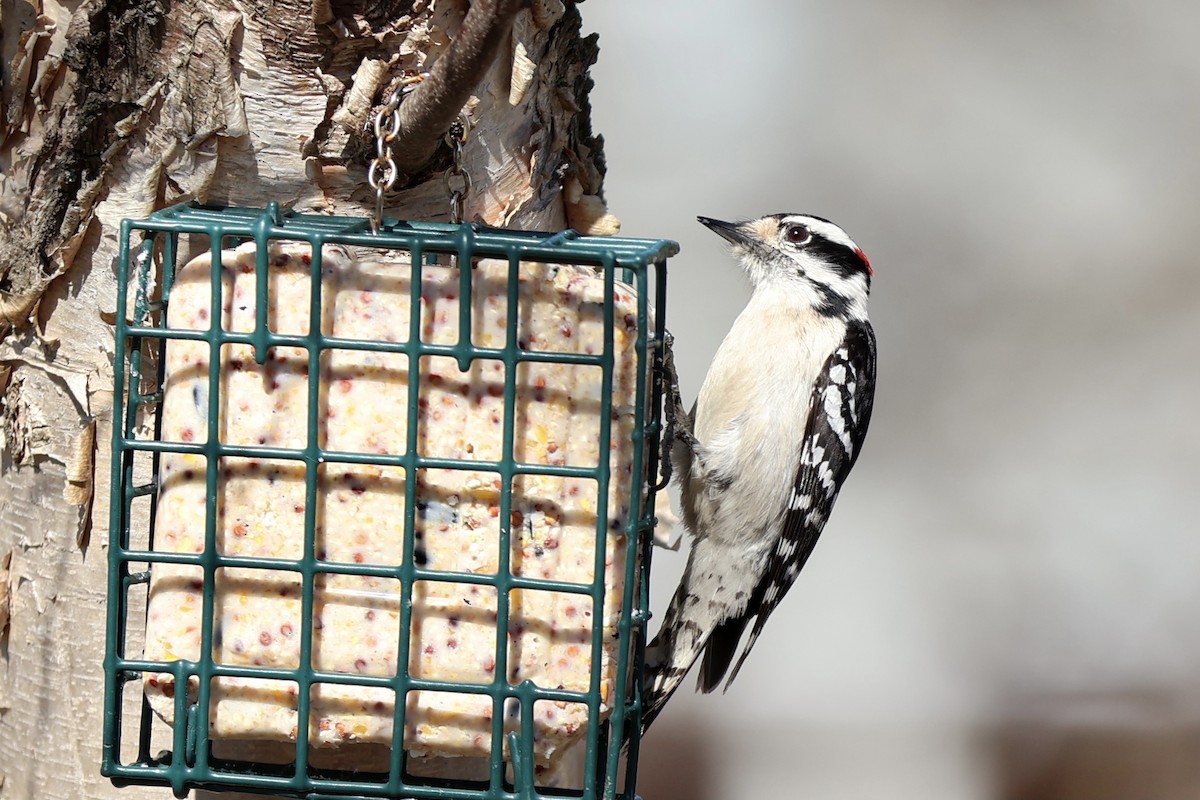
[(802, 251)]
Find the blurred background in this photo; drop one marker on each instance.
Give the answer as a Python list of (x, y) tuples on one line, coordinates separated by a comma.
[(1006, 602)]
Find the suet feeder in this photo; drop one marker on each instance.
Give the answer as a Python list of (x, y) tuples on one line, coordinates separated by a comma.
[(381, 508)]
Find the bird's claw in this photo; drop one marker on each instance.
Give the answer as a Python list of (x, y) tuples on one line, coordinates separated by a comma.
[(677, 423)]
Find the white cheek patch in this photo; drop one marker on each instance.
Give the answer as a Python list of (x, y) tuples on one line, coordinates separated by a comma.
[(853, 287)]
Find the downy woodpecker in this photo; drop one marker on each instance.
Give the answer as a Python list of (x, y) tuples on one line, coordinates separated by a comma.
[(779, 422)]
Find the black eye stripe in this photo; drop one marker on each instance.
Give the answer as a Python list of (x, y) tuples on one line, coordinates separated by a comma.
[(842, 259)]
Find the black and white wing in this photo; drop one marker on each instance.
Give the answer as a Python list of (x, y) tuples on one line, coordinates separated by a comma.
[(837, 425)]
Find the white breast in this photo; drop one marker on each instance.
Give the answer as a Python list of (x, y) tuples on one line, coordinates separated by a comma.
[(752, 412)]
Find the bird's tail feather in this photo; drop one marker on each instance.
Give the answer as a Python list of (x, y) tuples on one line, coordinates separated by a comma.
[(671, 654), (708, 610), (722, 646)]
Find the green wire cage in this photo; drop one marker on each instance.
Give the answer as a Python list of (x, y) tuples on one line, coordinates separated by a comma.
[(362, 729)]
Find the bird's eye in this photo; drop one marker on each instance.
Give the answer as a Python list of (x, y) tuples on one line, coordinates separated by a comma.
[(798, 234)]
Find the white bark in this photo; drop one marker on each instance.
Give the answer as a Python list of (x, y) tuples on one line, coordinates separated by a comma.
[(114, 108)]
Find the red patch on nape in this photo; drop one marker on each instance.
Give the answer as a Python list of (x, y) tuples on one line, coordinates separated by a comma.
[(867, 261)]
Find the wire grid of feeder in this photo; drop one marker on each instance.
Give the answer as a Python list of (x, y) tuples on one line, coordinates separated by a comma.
[(188, 761)]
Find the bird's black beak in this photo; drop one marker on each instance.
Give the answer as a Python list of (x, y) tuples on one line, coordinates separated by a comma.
[(729, 231)]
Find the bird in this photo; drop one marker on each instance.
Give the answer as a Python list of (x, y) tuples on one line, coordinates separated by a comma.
[(779, 422)]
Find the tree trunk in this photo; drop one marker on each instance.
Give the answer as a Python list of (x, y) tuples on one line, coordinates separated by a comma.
[(115, 108)]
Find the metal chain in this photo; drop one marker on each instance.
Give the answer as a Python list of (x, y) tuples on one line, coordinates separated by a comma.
[(385, 133), (383, 172), (456, 137)]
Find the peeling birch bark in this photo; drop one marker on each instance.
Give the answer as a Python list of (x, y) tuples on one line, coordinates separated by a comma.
[(115, 108)]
